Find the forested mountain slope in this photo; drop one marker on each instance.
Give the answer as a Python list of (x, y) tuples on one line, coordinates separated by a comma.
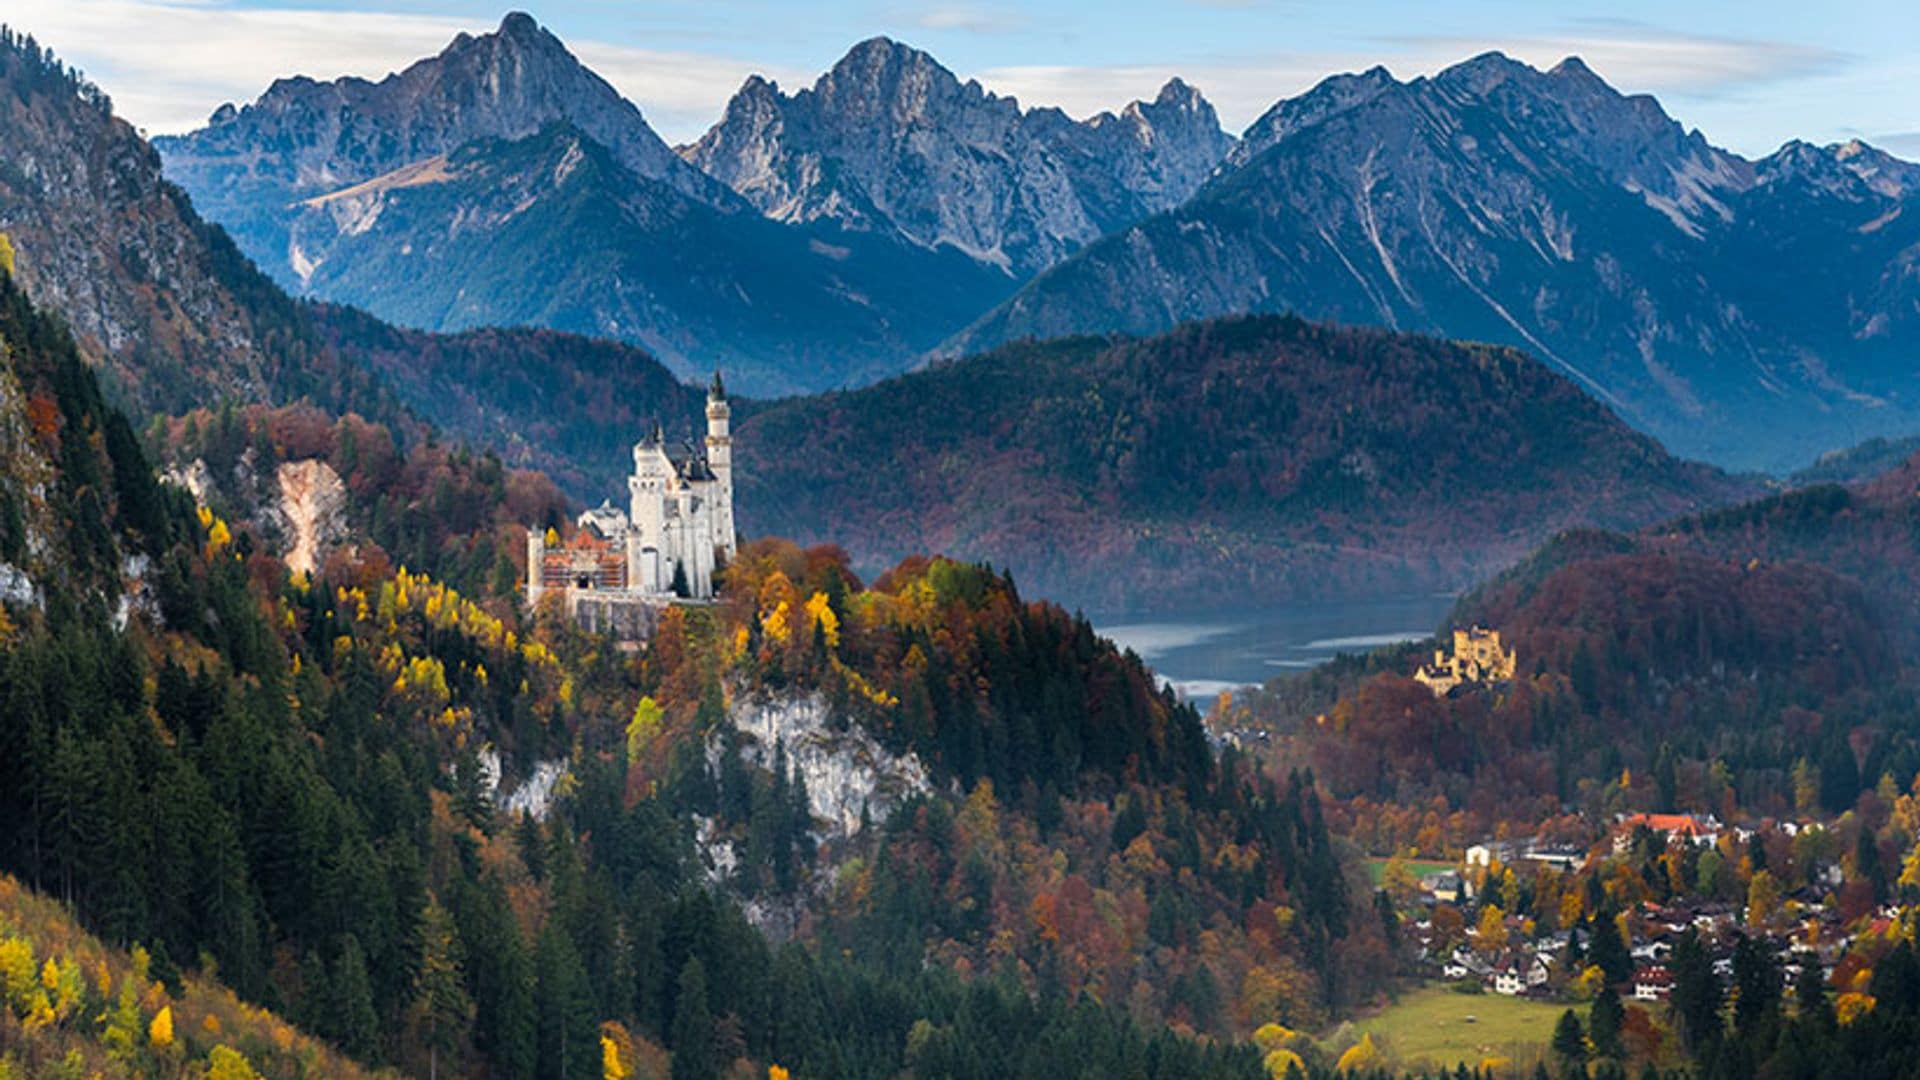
[(1236, 461), (156, 296)]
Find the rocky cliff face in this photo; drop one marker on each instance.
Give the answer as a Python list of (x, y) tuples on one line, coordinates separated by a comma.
[(250, 167), (891, 141), (101, 238), (1715, 302), (551, 230), (311, 512), (849, 775)]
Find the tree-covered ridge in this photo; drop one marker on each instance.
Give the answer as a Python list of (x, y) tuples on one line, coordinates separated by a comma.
[(569, 406), (458, 515), (945, 660), (1223, 462)]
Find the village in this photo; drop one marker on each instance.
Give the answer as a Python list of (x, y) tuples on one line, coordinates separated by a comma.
[(1654, 901)]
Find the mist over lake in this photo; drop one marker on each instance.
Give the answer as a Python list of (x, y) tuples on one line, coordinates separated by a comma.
[(1204, 653)]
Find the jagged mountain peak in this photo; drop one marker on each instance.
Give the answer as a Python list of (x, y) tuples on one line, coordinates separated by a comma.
[(518, 24), (890, 141), (1331, 96), (1853, 170), (508, 83), (884, 80), (1483, 72)]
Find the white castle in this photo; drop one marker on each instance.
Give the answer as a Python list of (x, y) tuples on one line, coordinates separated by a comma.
[(677, 531)]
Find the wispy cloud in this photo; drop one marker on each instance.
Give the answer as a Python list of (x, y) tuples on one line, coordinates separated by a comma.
[(972, 18), (168, 63), (1641, 57), (1632, 57), (1904, 144)]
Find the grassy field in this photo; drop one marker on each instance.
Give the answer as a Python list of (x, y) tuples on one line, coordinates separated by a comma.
[(1377, 868), (1432, 1026)]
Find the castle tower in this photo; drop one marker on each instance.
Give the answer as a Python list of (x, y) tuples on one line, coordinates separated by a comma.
[(720, 460), (647, 509)]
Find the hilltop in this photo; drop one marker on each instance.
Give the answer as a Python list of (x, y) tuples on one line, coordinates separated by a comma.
[(1237, 461)]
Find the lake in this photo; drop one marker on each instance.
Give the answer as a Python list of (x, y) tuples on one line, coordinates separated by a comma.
[(1202, 654)]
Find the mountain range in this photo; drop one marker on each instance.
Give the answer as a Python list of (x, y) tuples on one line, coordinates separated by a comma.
[(890, 141), (432, 198), (1752, 313)]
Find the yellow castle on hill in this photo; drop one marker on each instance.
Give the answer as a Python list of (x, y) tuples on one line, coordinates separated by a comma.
[(1478, 657)]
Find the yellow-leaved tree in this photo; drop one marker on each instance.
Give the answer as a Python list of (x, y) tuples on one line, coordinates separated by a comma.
[(1360, 1056), (1283, 1062), (820, 613), (160, 1032), (226, 1063), (643, 728), (1490, 933), (6, 253), (610, 1065)]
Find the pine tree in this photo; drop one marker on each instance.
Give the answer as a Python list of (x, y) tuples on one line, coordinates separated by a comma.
[(441, 1006), (1608, 951), (1570, 1043), (532, 845), (567, 1046), (693, 1056), (1695, 1002), (1604, 1021), (354, 1024), (1756, 980), (1811, 1002)]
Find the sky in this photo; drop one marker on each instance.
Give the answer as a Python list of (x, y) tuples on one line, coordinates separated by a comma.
[(1750, 75)]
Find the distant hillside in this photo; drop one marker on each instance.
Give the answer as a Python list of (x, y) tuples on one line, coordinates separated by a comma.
[(1862, 462), (1764, 656), (567, 405), (1242, 461)]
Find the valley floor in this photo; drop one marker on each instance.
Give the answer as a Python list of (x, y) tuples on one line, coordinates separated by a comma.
[(1438, 1026)]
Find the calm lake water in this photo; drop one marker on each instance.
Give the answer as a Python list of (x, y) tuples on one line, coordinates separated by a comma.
[(1202, 654)]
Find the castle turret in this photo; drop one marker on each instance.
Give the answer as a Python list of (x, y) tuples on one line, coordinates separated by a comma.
[(536, 560), (720, 460)]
